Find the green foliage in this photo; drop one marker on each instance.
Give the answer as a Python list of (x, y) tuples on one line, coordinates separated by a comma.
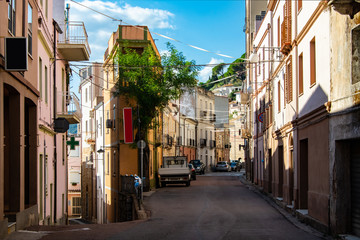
[(150, 82), (232, 96), (238, 69)]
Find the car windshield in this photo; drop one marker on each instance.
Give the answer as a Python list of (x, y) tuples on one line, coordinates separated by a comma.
[(221, 163), (233, 163), (196, 162)]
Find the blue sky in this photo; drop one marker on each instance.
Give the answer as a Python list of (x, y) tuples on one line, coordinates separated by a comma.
[(213, 25)]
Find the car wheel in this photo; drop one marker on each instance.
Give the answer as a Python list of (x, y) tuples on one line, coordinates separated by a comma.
[(187, 183), (194, 177), (163, 184)]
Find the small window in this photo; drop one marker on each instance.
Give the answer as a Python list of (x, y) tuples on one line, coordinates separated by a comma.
[(299, 5), (12, 16), (46, 84), (312, 62), (301, 80), (114, 117), (30, 29), (279, 96), (40, 78), (107, 163)]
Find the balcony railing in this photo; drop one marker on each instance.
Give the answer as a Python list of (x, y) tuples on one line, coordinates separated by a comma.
[(73, 42), (71, 111)]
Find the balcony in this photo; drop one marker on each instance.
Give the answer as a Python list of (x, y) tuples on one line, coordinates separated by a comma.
[(73, 42), (346, 7), (202, 142), (168, 141), (202, 113), (71, 111)]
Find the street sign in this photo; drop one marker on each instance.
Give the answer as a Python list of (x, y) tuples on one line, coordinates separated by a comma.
[(261, 117), (141, 144)]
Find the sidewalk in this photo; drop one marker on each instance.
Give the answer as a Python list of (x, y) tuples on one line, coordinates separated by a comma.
[(298, 218)]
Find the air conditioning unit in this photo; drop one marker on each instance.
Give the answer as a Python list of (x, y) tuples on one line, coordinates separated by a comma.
[(109, 123)]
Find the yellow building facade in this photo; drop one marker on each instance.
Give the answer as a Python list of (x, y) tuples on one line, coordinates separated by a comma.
[(120, 158)]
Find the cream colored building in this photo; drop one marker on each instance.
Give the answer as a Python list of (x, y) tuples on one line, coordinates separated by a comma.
[(303, 104), (205, 115)]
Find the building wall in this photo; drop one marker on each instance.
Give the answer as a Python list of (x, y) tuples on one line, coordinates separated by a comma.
[(343, 121)]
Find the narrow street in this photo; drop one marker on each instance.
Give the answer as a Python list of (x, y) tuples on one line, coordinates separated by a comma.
[(215, 206)]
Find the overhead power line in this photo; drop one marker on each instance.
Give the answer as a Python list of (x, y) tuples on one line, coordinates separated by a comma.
[(160, 35)]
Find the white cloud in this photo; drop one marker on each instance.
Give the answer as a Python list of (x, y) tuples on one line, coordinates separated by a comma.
[(205, 73), (164, 52), (153, 18)]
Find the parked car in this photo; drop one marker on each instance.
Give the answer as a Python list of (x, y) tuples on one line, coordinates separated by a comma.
[(223, 166), (199, 166), (235, 166), (193, 172)]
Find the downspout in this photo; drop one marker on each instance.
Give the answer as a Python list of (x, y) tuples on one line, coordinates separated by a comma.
[(297, 112), (103, 176), (56, 29), (55, 101)]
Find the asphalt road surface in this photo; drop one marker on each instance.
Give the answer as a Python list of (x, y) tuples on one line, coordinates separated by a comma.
[(215, 206)]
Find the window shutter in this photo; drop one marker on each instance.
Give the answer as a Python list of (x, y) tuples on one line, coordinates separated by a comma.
[(290, 81), (286, 86), (279, 97)]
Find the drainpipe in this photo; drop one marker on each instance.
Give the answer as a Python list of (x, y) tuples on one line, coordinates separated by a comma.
[(296, 113), (56, 29), (55, 101)]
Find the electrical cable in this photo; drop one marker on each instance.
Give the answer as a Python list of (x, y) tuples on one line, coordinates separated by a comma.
[(161, 35)]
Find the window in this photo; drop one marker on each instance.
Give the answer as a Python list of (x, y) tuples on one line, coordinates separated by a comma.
[(239, 132), (11, 16), (301, 80), (114, 164), (107, 163), (355, 58), (30, 29), (114, 112), (46, 84), (40, 78), (312, 62), (86, 126), (279, 97), (278, 32), (74, 177), (76, 206), (86, 95), (289, 84)]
